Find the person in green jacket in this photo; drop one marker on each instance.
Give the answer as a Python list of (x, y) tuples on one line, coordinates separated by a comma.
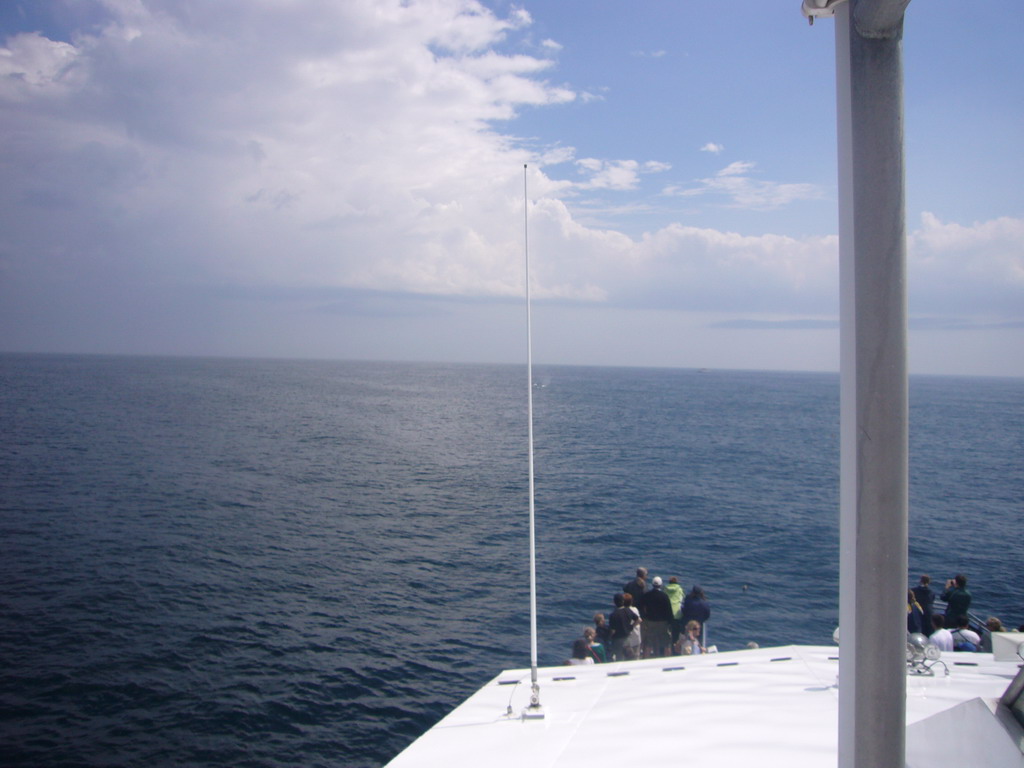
[(958, 599), (674, 590)]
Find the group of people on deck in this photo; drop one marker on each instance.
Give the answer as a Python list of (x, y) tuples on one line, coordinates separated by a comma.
[(657, 619), (649, 621), (952, 630)]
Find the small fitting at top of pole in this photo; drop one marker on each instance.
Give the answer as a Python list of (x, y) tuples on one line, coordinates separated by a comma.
[(812, 9)]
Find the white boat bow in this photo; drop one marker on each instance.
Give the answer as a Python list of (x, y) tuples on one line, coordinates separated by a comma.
[(769, 707)]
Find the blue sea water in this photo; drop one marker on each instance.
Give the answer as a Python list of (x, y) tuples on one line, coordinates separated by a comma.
[(275, 563)]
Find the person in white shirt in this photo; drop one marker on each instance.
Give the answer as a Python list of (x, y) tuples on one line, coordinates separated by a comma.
[(633, 642), (965, 638), (689, 641), (581, 652), (941, 637)]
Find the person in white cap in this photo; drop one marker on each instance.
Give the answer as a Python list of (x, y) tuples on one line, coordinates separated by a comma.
[(656, 611)]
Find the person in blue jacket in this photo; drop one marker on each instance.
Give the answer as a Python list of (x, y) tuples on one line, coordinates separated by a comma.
[(696, 607), (925, 598), (915, 614)]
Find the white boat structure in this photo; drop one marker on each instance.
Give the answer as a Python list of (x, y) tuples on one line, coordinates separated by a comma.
[(765, 707), (879, 700)]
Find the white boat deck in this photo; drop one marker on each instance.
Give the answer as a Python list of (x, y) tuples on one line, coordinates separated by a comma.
[(769, 707)]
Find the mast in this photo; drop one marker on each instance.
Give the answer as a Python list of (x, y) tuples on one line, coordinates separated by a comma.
[(873, 380), (534, 710)]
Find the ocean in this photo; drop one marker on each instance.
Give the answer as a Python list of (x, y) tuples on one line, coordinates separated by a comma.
[(275, 563)]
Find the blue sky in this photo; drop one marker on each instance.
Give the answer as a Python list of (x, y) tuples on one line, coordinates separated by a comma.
[(343, 179)]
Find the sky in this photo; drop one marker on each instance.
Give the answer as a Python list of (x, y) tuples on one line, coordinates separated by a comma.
[(344, 179)]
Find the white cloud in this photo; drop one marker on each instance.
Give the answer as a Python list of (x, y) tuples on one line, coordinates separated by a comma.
[(30, 64), (712, 148), (699, 268), (736, 183), (353, 144), (739, 168), (520, 17), (972, 271), (619, 175), (557, 155), (977, 269)]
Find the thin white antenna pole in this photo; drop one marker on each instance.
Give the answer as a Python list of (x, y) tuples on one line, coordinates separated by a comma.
[(534, 711)]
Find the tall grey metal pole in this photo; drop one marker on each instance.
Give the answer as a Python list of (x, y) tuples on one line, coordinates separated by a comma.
[(873, 395)]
